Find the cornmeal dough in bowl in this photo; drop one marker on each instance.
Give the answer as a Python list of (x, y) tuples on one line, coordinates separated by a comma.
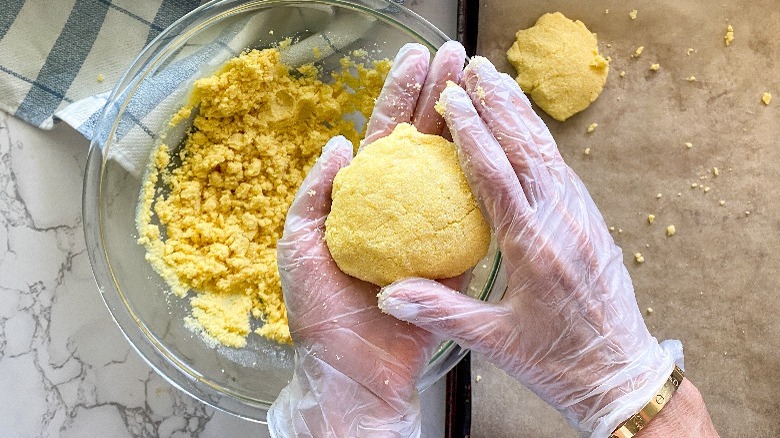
[(403, 208), (558, 64)]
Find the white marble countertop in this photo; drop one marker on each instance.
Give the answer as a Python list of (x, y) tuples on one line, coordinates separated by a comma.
[(65, 368)]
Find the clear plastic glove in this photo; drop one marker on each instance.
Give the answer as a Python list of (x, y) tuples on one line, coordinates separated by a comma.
[(568, 327), (356, 368)]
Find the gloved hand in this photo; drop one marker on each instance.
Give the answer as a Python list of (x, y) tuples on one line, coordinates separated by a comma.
[(568, 327), (355, 367)]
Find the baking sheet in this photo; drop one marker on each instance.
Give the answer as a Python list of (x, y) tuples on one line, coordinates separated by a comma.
[(714, 284)]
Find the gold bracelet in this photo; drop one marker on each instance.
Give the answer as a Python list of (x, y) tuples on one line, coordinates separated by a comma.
[(637, 422)]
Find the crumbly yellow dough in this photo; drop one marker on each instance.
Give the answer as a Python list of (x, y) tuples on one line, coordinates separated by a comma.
[(403, 208), (559, 65), (766, 98), (729, 37), (258, 130)]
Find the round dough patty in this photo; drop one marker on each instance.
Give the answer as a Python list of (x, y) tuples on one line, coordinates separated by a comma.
[(403, 208), (558, 65)]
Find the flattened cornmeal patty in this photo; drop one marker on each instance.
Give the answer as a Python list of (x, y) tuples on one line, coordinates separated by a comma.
[(403, 208)]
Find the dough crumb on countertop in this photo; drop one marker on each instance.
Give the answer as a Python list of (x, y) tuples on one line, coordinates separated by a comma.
[(639, 257), (694, 185), (259, 128), (606, 11), (658, 196), (671, 230), (650, 218), (479, 377), (638, 52), (715, 171), (766, 98), (633, 14), (587, 151), (100, 77), (592, 127), (655, 67), (688, 144), (558, 64), (689, 51), (649, 310), (622, 73), (729, 37), (691, 78), (706, 189), (722, 203)]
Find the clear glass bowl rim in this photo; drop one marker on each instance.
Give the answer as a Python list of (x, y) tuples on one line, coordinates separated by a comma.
[(166, 364)]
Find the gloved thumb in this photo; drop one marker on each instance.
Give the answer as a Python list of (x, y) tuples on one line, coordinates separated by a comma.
[(446, 313)]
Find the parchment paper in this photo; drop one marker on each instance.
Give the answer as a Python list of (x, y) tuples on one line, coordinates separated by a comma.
[(714, 284)]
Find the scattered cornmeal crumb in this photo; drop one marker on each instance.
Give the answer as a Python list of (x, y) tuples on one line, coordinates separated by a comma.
[(622, 73), (766, 98), (729, 35), (658, 196), (592, 127), (671, 230), (694, 185), (650, 218), (638, 52), (721, 202), (478, 378), (649, 310), (692, 79), (655, 67), (611, 228), (100, 77), (690, 50), (633, 14), (747, 213), (688, 145), (620, 231), (260, 127), (639, 257), (587, 151), (706, 189), (715, 171), (558, 64), (606, 11)]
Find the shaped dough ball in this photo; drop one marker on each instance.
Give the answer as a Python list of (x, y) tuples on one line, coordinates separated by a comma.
[(558, 65), (403, 208)]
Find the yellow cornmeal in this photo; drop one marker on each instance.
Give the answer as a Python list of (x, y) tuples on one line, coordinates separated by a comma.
[(403, 208), (559, 65), (258, 130), (729, 37)]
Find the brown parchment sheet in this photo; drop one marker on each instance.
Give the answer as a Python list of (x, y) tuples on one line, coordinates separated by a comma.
[(714, 284)]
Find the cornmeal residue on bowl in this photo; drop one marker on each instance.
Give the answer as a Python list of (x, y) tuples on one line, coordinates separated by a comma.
[(221, 200)]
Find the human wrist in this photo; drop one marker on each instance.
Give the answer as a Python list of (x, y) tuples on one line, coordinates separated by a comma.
[(684, 416)]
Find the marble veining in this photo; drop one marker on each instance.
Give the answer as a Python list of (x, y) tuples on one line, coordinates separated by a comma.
[(65, 369)]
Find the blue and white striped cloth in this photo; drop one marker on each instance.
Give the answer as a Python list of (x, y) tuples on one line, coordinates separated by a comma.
[(60, 58)]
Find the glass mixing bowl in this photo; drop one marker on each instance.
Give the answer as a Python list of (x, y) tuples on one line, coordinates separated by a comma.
[(240, 381)]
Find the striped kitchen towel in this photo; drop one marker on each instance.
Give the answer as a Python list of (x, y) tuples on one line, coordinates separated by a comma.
[(56, 55)]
